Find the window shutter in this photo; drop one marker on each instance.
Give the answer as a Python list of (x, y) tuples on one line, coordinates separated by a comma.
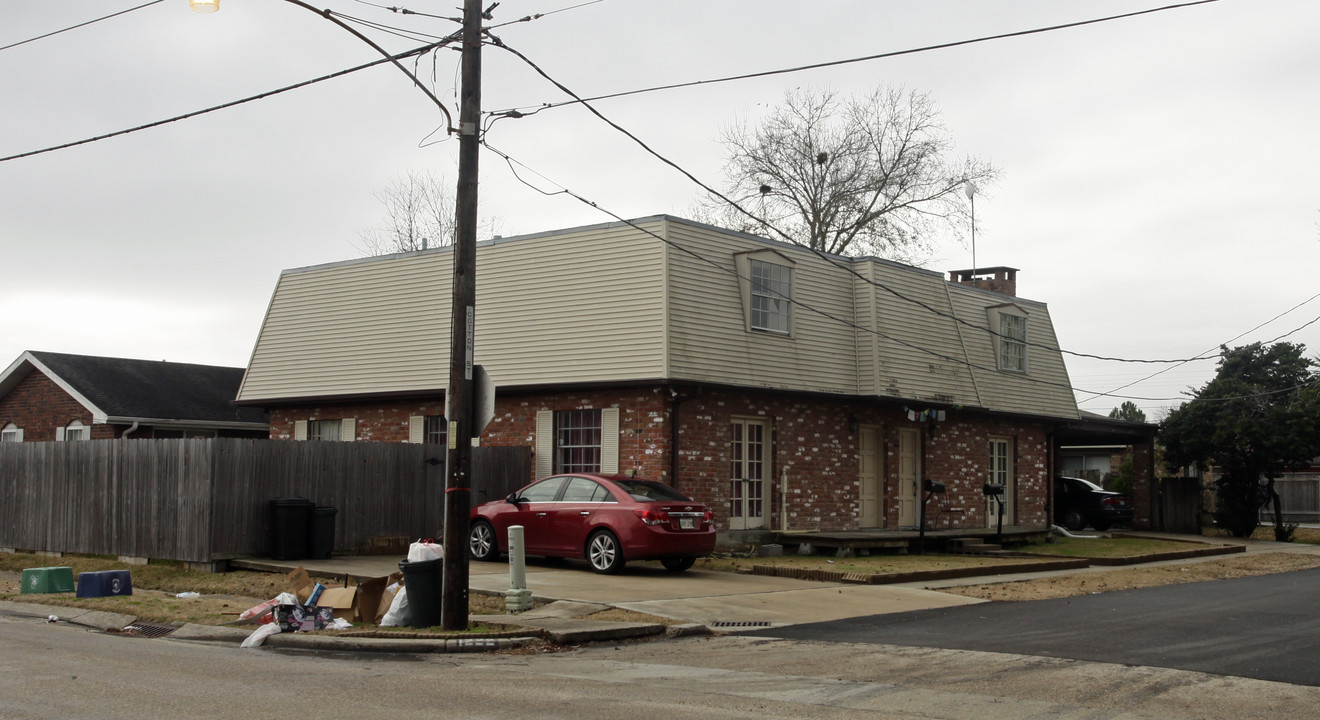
[(609, 440), (59, 434), (545, 443), (299, 429), (417, 429), (19, 437), (348, 429)]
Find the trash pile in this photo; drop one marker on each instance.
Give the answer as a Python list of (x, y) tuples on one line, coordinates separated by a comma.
[(308, 606)]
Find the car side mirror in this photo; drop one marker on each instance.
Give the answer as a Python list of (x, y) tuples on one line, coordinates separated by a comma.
[(513, 498)]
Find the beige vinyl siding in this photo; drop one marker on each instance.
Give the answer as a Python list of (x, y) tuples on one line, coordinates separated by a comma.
[(370, 326), (708, 338), (586, 306), (918, 351), (1044, 389), (612, 303), (572, 307)]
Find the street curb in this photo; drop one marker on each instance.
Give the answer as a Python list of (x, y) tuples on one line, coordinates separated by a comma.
[(917, 576), (97, 619)]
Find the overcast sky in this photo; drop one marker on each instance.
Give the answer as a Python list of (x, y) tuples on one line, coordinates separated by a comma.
[(1159, 185)]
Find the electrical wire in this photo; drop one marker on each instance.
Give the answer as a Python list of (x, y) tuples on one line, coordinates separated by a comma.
[(788, 238), (83, 24), (407, 34), (510, 161), (1233, 339), (235, 103), (522, 110)]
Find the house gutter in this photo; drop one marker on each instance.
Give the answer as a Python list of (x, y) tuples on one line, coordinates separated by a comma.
[(675, 400), (131, 429)]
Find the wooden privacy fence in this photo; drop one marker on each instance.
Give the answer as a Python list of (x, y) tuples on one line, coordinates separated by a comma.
[(1176, 505), (1299, 499), (201, 500)]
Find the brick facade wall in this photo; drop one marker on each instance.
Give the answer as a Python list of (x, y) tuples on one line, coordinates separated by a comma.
[(814, 461), (38, 406)]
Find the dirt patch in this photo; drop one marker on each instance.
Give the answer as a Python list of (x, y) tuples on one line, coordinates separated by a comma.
[(1090, 583)]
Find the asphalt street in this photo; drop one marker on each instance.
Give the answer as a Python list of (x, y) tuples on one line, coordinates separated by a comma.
[(1266, 627)]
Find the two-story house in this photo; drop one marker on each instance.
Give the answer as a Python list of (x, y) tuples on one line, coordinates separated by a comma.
[(790, 390)]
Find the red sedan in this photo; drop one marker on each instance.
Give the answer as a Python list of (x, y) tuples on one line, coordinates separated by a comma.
[(607, 519)]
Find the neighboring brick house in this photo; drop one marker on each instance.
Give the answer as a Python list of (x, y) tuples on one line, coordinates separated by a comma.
[(789, 390), (48, 396)]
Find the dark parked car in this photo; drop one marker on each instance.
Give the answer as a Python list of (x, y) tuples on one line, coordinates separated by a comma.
[(607, 519), (1078, 503)]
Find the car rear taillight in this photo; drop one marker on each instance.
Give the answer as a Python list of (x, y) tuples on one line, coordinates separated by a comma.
[(652, 517), (1111, 501), (710, 518)]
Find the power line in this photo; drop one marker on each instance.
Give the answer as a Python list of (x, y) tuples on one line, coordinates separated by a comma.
[(235, 103), (680, 247), (1233, 339), (849, 61), (83, 24), (788, 238)]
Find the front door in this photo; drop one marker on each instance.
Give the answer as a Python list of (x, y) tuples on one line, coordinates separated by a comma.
[(749, 453), (869, 477), (909, 474), (1001, 473)]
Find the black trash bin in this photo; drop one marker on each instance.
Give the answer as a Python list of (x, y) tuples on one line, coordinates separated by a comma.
[(423, 580), (321, 533), (290, 517)]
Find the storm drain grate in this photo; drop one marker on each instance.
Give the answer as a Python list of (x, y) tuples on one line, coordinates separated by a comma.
[(740, 623), (149, 630)]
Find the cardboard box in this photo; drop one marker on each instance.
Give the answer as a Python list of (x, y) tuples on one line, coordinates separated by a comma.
[(342, 602), (375, 596), (296, 618), (300, 584)]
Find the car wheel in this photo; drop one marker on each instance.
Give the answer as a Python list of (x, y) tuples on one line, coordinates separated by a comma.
[(1073, 520), (678, 564), (1102, 525), (604, 553), (481, 542)]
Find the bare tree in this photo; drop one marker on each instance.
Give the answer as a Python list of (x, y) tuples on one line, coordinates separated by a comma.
[(419, 213), (862, 176)]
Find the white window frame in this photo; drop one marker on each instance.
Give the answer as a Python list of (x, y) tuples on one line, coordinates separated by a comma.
[(11, 433), (548, 450), (78, 431), (318, 429), (772, 297)]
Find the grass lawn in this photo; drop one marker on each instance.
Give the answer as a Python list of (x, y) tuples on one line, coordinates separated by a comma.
[(155, 587)]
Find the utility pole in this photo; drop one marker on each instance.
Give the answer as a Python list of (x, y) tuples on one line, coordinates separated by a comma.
[(458, 468)]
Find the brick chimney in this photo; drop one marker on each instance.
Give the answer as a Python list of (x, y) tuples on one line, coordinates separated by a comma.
[(998, 279)]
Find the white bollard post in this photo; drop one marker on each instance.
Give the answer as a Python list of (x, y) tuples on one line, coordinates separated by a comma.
[(517, 598)]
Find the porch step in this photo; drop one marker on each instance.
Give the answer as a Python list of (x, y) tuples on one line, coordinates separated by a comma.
[(972, 546)]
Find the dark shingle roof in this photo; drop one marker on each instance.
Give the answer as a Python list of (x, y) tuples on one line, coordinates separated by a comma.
[(152, 389)]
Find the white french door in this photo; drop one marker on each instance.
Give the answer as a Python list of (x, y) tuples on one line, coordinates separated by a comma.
[(749, 468)]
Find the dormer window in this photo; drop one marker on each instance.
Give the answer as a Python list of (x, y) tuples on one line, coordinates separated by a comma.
[(772, 289), (765, 278), (1012, 342), (1008, 334)]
